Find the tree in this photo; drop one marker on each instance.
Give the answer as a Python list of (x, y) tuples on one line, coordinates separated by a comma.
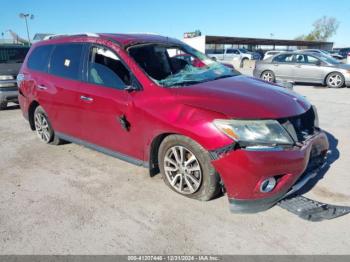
[(324, 28)]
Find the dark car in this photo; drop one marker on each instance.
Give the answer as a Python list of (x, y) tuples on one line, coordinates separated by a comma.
[(344, 52), (204, 126), (11, 59)]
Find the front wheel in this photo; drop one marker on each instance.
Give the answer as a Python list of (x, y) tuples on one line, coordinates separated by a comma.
[(268, 76), (44, 129), (185, 167), (335, 80)]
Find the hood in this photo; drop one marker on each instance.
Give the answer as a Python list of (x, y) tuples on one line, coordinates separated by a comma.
[(343, 66), (9, 68), (244, 97)]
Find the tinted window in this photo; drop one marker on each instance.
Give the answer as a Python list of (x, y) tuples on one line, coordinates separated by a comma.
[(39, 58), (66, 60), (105, 68), (12, 54), (286, 58)]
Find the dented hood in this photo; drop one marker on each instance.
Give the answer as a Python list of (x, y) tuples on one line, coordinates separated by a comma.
[(244, 97)]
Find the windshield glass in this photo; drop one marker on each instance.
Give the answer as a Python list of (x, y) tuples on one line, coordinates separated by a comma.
[(13, 54), (243, 50), (178, 65)]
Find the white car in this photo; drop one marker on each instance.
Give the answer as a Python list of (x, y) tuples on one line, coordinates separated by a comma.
[(268, 54), (322, 52), (230, 54)]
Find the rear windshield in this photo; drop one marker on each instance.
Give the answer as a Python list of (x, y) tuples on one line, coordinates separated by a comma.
[(13, 54)]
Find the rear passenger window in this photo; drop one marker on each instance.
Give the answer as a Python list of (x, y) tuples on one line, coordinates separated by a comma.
[(66, 60), (105, 68), (39, 58), (285, 58)]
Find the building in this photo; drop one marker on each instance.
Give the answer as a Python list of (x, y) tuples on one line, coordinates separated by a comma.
[(208, 42)]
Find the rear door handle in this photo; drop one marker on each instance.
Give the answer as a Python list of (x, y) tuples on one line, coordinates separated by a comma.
[(41, 87), (298, 66), (86, 98)]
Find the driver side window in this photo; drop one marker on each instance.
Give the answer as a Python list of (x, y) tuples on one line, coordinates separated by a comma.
[(106, 69)]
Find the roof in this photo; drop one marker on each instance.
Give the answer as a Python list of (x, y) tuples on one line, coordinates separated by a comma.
[(124, 40), (260, 41), (132, 39)]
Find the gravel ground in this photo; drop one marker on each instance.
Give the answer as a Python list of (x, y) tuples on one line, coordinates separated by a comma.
[(72, 200)]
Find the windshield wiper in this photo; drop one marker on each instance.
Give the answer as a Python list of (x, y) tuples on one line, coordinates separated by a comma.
[(185, 83)]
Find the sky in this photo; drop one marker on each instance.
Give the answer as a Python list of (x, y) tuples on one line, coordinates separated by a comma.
[(283, 19)]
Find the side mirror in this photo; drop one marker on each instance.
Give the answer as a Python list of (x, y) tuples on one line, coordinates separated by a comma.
[(318, 63)]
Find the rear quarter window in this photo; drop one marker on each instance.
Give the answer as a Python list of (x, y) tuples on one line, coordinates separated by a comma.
[(39, 58), (66, 61)]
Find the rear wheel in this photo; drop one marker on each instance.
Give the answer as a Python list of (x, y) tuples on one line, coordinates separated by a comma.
[(3, 105), (44, 129), (186, 168), (268, 76), (335, 80)]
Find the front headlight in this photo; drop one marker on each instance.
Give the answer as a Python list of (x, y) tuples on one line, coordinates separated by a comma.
[(254, 132)]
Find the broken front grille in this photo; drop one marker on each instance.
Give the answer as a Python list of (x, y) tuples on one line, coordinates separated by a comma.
[(300, 127)]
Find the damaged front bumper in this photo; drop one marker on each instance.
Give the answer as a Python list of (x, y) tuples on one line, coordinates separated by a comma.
[(243, 171)]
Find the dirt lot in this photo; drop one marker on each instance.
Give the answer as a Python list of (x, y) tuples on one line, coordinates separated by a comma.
[(69, 199)]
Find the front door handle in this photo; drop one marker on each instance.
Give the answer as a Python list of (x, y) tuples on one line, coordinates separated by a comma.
[(298, 66), (86, 98)]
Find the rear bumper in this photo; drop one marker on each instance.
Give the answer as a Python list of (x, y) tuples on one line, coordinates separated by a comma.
[(242, 172), (9, 95)]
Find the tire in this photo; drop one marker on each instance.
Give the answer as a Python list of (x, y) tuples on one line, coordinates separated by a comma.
[(3, 105), (335, 80), (243, 61), (268, 76), (202, 182), (44, 129)]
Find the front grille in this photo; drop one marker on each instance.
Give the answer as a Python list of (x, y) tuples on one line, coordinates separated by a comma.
[(300, 127)]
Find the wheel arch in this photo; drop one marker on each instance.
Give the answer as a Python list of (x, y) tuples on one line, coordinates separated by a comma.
[(31, 111), (325, 79), (153, 153)]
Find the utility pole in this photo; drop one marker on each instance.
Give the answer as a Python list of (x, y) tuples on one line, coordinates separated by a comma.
[(27, 16)]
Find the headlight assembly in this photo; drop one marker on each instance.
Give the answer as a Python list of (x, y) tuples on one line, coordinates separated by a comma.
[(254, 132)]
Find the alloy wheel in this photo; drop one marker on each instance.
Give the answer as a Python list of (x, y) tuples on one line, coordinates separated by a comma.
[(42, 127), (182, 170), (335, 80), (267, 76)]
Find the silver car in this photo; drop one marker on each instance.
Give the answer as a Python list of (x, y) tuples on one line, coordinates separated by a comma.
[(304, 68)]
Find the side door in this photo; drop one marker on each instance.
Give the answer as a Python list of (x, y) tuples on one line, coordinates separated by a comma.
[(282, 66), (308, 69), (110, 120), (60, 88)]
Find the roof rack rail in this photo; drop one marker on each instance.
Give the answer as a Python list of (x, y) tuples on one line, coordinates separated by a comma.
[(77, 34)]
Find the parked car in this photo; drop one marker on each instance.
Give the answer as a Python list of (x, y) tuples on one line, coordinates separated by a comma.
[(305, 68), (335, 54), (322, 52), (269, 54), (229, 54), (205, 128), (11, 58), (344, 52)]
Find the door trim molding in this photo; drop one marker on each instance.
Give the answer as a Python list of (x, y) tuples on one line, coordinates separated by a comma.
[(103, 150)]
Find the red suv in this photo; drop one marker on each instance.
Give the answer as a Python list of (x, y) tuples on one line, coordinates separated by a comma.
[(205, 128)]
